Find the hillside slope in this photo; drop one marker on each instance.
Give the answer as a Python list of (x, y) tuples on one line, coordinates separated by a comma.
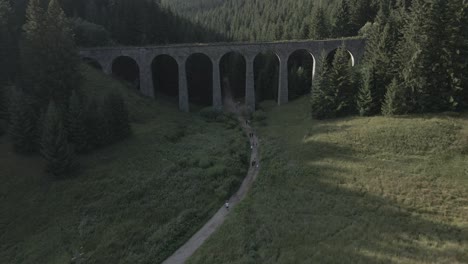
[(267, 20), (355, 190), (133, 202)]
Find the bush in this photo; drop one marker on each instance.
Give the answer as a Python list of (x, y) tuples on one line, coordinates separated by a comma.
[(210, 114), (88, 34), (178, 134)]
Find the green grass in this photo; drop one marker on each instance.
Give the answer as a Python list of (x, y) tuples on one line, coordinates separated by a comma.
[(133, 202), (354, 190)]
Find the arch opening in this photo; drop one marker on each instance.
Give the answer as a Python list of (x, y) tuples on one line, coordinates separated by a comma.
[(165, 74), (93, 63), (331, 57), (233, 69), (266, 72), (199, 70), (301, 70), (126, 69)]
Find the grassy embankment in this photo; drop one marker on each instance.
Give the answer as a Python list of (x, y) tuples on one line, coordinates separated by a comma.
[(354, 190), (133, 202)]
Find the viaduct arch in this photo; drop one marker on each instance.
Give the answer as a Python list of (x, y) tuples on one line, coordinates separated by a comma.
[(144, 57)]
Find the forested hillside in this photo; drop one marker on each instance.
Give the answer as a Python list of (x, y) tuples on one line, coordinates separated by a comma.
[(266, 20)]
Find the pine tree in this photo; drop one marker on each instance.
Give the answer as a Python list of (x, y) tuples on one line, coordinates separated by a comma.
[(342, 81), (7, 45), (77, 134), (49, 56), (342, 26), (323, 97), (319, 28), (381, 46), (54, 144), (395, 101), (23, 124), (365, 101)]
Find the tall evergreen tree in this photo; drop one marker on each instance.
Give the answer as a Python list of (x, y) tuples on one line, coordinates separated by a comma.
[(342, 26), (365, 98), (23, 124), (77, 134), (395, 100), (426, 56), (319, 28), (342, 80), (7, 43), (323, 96), (380, 49), (49, 56), (54, 144)]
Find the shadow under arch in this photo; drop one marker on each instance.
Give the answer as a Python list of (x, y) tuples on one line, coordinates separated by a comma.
[(233, 76), (126, 68), (165, 74), (199, 69), (301, 71), (331, 56), (92, 62), (266, 72)]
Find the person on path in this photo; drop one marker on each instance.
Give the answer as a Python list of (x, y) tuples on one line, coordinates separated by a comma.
[(227, 205)]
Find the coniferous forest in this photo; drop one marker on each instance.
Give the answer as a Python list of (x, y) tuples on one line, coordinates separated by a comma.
[(99, 133)]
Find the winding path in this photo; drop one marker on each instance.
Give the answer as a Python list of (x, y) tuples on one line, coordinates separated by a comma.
[(187, 250)]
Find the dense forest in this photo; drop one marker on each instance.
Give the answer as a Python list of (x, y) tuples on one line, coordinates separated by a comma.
[(415, 60), (260, 20)]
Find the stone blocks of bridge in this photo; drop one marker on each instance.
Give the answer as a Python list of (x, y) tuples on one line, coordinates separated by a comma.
[(144, 56)]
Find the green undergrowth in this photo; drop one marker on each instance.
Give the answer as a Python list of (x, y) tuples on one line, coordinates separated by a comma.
[(354, 190), (133, 202)]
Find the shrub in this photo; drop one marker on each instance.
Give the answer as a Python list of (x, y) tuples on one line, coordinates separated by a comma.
[(210, 114)]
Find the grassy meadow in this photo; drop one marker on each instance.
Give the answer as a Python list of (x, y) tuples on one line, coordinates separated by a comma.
[(353, 190), (133, 202)]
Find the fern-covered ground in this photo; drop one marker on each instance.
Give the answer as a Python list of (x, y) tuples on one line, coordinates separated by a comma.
[(133, 202), (354, 190)]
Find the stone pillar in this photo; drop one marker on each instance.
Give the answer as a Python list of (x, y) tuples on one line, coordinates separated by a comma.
[(250, 83), (283, 89), (146, 78), (183, 91), (106, 67), (217, 94)]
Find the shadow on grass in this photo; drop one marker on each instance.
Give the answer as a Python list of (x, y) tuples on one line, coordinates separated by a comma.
[(321, 212)]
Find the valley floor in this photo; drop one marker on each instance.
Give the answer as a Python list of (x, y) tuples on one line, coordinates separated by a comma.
[(134, 202), (354, 190)]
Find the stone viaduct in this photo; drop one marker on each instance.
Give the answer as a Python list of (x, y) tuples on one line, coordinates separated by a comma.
[(144, 56)]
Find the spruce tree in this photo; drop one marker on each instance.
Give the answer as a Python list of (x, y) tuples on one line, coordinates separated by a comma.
[(23, 124), (395, 100), (7, 43), (323, 97), (365, 101), (341, 78), (54, 144), (342, 26), (319, 28), (49, 56), (77, 134)]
